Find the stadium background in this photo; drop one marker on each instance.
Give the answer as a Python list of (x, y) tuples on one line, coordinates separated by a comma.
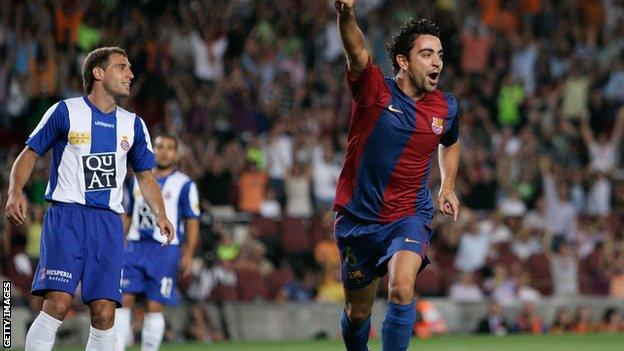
[(255, 91)]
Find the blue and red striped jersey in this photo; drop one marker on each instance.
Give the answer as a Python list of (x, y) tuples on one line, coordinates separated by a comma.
[(391, 142)]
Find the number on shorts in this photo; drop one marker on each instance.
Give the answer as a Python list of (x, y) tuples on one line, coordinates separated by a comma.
[(166, 285)]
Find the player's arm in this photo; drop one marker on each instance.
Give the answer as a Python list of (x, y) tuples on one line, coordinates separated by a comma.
[(151, 192), (127, 221), (448, 160), (351, 36), (191, 228), (16, 206)]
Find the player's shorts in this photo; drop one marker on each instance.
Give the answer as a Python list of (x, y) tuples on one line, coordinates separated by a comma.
[(80, 244), (151, 270), (366, 247)]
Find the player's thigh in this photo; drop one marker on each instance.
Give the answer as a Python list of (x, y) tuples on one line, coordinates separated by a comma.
[(104, 259), (128, 300), (402, 270), (359, 303), (61, 259)]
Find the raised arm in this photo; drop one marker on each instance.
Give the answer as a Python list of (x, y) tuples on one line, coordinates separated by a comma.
[(586, 132), (351, 36), (618, 128)]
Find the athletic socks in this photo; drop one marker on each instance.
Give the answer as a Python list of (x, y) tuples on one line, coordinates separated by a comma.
[(123, 328), (398, 326), (42, 333), (100, 340), (153, 331), (355, 337)]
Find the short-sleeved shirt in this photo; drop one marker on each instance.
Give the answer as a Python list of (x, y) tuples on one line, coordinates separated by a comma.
[(181, 203), (391, 142), (90, 150)]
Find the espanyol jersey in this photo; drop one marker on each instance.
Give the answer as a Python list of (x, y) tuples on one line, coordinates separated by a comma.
[(391, 142), (181, 202), (89, 152)]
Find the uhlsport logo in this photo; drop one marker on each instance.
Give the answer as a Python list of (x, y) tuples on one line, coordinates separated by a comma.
[(437, 125), (100, 171)]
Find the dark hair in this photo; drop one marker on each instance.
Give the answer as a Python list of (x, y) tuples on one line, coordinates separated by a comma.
[(402, 42), (97, 58), (168, 136)]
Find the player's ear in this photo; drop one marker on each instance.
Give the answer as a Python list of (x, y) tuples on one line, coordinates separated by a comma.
[(98, 73), (402, 61)]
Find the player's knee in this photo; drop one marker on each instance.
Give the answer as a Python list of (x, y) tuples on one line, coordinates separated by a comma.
[(57, 307), (102, 315), (401, 293), (358, 313)]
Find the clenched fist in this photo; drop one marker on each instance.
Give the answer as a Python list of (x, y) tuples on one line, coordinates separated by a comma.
[(344, 7)]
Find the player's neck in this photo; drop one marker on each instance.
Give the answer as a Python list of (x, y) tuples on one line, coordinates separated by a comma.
[(407, 87), (103, 101)]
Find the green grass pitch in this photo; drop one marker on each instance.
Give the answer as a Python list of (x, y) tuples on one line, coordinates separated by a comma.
[(593, 342)]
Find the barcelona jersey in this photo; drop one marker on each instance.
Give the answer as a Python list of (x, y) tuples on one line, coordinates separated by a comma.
[(391, 142)]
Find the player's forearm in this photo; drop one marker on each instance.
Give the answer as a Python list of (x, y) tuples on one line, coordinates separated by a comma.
[(448, 159), (151, 192), (352, 42), (191, 228), (22, 169)]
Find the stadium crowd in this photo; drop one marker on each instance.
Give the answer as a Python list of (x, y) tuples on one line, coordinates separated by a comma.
[(256, 93)]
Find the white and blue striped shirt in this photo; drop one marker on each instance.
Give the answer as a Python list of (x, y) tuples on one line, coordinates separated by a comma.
[(181, 203), (89, 152)]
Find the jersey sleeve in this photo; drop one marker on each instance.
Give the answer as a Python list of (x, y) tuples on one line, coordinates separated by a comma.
[(141, 155), (128, 196), (451, 135), (367, 86), (53, 125), (189, 201)]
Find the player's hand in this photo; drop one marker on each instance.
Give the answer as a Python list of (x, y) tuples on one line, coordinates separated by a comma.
[(16, 208), (166, 228), (344, 7), (448, 203), (186, 265)]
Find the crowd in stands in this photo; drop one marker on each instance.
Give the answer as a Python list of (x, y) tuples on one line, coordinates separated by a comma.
[(256, 93)]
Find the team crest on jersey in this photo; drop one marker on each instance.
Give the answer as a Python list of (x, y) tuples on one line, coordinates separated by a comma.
[(100, 171), (125, 144), (79, 138), (437, 125)]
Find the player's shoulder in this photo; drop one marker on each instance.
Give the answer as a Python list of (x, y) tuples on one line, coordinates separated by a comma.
[(73, 104), (449, 100), (122, 113), (181, 177)]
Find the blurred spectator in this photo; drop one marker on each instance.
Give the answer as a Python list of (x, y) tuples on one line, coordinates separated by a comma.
[(564, 269), (465, 289), (301, 288), (494, 322), (562, 323), (474, 246), (583, 321), (528, 321), (612, 321)]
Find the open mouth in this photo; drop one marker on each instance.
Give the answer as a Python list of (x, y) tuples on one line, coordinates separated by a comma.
[(433, 76)]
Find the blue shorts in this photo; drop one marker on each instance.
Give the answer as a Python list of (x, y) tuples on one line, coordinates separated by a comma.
[(151, 270), (80, 244), (366, 247)]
